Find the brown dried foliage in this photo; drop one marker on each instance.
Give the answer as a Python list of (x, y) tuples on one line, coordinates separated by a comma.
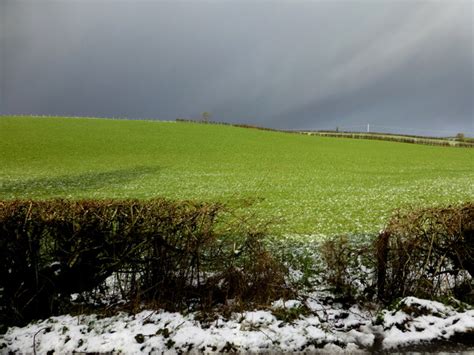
[(423, 252), (342, 259), (171, 254)]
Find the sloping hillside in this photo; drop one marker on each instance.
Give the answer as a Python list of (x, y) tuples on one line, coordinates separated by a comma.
[(302, 184)]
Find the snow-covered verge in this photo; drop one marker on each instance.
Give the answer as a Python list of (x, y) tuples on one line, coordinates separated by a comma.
[(314, 327), (415, 321)]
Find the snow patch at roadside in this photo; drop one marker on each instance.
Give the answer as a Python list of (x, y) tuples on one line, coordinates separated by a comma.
[(322, 328), (416, 321)]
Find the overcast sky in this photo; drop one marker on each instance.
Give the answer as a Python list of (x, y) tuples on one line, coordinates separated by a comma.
[(399, 65)]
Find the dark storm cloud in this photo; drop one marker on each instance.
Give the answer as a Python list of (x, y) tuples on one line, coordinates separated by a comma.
[(300, 64)]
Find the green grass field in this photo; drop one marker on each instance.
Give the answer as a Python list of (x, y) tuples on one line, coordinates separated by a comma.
[(302, 184)]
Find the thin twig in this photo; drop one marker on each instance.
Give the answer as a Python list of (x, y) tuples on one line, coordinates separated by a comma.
[(260, 330), (34, 339)]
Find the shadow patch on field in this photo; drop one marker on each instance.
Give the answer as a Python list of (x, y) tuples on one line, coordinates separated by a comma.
[(75, 183)]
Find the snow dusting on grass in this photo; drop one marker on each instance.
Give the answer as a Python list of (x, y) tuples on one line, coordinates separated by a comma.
[(301, 184), (322, 329)]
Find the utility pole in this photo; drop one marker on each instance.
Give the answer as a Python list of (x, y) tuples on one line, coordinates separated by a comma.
[(368, 127)]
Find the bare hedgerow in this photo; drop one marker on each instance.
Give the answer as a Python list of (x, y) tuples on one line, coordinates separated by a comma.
[(348, 267), (427, 253), (165, 253)]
